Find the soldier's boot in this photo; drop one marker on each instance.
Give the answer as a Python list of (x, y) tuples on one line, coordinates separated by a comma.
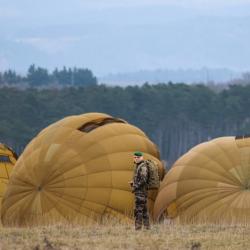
[(138, 218), (138, 222), (138, 226), (146, 223), (146, 218)]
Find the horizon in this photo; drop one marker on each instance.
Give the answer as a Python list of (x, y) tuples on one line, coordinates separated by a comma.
[(189, 76)]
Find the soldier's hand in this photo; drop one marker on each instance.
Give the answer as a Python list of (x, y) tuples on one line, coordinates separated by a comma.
[(131, 183)]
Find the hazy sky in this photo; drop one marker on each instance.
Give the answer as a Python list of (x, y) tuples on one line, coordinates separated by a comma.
[(110, 36)]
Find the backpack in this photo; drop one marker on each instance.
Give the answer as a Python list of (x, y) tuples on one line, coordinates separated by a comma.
[(153, 175)]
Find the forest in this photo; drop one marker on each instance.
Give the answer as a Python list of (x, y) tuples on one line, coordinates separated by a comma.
[(37, 76), (175, 116)]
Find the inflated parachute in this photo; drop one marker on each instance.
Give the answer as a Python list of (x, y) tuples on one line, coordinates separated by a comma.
[(76, 170), (8, 159), (210, 183)]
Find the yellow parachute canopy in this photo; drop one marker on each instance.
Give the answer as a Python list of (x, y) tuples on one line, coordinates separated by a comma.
[(8, 159), (210, 183), (76, 170)]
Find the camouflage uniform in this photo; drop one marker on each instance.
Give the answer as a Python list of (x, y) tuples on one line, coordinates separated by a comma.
[(140, 188)]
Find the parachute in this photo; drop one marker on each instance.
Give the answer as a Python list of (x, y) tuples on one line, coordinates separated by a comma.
[(8, 159), (77, 170), (210, 183)]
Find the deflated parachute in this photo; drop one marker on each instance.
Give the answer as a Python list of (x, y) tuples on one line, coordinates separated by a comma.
[(209, 183), (8, 159), (76, 170)]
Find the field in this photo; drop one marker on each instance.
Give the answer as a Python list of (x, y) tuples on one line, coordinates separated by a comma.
[(114, 236)]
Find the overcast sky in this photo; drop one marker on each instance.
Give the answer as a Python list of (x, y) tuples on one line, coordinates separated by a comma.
[(110, 36)]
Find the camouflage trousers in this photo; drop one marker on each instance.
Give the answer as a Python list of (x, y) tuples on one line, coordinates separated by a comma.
[(141, 210)]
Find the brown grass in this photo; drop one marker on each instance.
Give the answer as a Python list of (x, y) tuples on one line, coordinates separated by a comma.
[(116, 236)]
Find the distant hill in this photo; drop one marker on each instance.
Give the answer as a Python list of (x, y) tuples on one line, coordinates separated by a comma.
[(203, 75)]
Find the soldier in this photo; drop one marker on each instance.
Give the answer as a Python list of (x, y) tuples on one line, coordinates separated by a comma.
[(140, 189)]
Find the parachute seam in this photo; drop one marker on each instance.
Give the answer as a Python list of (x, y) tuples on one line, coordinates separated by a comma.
[(77, 155), (208, 170), (215, 190), (212, 160), (84, 163), (196, 193), (82, 175), (92, 144), (216, 207), (225, 153)]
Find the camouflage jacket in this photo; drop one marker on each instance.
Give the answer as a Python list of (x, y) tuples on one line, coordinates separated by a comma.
[(140, 177)]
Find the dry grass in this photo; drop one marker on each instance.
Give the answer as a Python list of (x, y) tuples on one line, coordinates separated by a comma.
[(115, 236)]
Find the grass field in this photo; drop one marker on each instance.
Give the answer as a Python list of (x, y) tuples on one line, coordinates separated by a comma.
[(115, 236)]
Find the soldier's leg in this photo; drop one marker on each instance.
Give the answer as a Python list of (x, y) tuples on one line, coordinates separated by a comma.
[(138, 212), (145, 215)]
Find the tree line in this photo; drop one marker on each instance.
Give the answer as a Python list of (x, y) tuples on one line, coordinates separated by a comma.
[(175, 116), (38, 76)]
